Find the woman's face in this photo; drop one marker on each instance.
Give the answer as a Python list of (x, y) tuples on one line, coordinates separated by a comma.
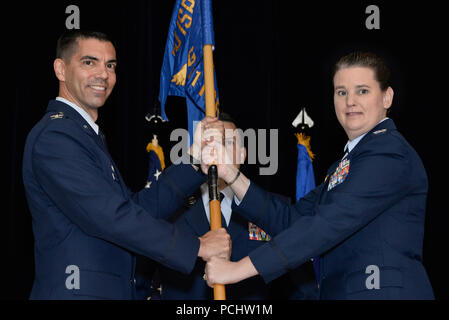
[(360, 104)]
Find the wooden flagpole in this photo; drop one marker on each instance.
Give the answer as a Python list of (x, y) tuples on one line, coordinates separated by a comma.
[(215, 206)]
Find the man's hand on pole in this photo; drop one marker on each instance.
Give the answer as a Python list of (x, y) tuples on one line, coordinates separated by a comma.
[(220, 271), (215, 244), (200, 137)]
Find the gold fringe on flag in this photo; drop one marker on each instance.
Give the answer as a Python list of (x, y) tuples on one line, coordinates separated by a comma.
[(159, 152), (305, 141)]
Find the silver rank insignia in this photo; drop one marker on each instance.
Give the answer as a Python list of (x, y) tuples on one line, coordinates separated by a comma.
[(60, 115), (114, 177), (380, 131)]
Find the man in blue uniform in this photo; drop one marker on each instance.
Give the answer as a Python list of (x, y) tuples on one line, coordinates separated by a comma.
[(245, 236), (365, 223), (87, 224)]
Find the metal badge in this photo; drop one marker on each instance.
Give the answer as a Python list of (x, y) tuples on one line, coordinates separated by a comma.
[(60, 115), (380, 131), (114, 176)]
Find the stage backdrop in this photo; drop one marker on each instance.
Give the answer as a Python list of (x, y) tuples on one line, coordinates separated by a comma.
[(272, 59)]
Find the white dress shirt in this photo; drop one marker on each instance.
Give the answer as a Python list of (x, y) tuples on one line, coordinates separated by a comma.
[(226, 204), (352, 143)]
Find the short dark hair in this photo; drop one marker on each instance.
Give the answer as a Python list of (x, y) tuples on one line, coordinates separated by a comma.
[(226, 117), (368, 60), (68, 42)]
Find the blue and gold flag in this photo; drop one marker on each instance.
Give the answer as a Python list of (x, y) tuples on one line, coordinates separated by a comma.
[(305, 177), (156, 163), (182, 74)]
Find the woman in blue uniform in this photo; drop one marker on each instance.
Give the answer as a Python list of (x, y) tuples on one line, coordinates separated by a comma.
[(364, 225)]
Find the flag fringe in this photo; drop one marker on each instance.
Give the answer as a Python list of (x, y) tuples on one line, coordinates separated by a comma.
[(305, 141), (159, 152)]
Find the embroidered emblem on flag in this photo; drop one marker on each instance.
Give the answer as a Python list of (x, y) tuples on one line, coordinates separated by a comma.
[(340, 174), (257, 234)]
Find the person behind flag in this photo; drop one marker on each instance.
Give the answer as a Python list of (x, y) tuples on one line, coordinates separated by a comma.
[(87, 224), (245, 236), (366, 222)]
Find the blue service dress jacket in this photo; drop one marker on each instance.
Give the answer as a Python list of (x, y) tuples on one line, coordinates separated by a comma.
[(87, 224), (366, 222), (178, 286)]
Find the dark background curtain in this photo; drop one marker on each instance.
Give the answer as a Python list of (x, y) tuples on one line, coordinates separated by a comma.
[(272, 59)]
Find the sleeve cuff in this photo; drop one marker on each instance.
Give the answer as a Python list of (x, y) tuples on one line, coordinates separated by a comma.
[(254, 205), (237, 201), (184, 252), (269, 262)]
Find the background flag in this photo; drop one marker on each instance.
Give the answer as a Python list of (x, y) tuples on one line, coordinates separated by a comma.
[(156, 162), (305, 177), (182, 74), (302, 283)]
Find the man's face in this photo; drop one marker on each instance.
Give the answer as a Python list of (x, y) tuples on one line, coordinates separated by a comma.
[(89, 77), (360, 104), (233, 144)]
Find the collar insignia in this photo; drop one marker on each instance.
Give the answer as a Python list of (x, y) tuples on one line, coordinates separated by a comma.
[(380, 131)]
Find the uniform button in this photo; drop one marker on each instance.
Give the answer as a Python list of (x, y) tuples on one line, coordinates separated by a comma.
[(133, 281), (312, 260)]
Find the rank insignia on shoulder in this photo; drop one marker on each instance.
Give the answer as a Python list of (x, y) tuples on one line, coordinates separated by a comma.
[(380, 131), (114, 175), (59, 115)]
